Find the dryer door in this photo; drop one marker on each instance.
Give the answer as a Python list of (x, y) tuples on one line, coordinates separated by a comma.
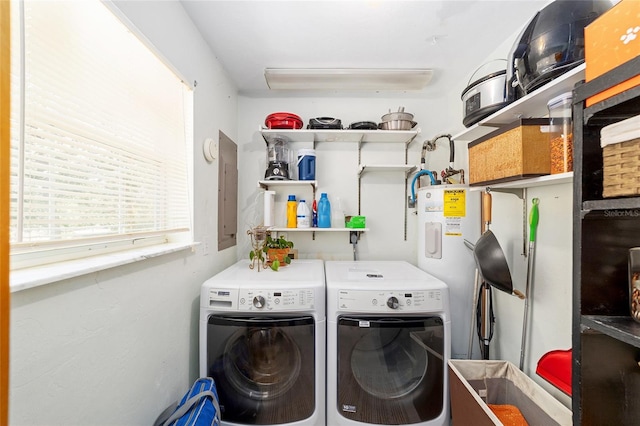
[(264, 368), (390, 370)]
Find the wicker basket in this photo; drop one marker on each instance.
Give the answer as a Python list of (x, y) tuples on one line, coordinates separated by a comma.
[(621, 169), (515, 151)]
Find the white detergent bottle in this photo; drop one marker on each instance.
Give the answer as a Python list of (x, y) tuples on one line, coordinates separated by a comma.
[(304, 215)]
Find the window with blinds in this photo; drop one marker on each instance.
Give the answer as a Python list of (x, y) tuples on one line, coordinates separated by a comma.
[(99, 133)]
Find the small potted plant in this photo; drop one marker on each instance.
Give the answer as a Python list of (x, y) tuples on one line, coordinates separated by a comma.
[(277, 250)]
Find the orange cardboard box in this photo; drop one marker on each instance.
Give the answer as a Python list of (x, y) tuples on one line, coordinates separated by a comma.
[(611, 40)]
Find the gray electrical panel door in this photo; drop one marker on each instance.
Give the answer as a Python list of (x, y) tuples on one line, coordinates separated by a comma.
[(227, 193)]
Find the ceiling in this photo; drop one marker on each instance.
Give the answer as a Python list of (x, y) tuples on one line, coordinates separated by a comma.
[(451, 37)]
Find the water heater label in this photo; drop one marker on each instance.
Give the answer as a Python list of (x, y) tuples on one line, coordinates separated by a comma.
[(455, 203), (453, 227), (431, 203)]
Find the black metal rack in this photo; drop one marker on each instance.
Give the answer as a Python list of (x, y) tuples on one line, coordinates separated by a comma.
[(606, 340)]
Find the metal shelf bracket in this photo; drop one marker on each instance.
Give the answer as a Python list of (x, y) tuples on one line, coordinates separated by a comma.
[(522, 194)]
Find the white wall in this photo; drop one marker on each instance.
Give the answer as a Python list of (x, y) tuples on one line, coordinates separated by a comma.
[(117, 346), (550, 305), (551, 287), (382, 193)]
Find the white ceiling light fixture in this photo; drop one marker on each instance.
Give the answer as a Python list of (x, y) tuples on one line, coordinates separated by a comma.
[(347, 78)]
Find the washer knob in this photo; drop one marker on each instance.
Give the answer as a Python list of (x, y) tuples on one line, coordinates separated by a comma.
[(259, 302), (392, 302)]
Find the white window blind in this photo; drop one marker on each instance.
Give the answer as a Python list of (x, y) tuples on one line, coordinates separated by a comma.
[(100, 129)]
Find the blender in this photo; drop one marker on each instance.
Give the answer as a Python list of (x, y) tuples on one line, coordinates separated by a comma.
[(278, 160)]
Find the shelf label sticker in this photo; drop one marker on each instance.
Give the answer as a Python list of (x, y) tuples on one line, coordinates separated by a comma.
[(455, 203)]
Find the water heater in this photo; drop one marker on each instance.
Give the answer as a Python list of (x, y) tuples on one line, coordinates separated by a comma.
[(448, 215)]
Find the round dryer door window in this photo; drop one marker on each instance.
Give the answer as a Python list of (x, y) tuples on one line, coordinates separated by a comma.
[(388, 364), (262, 363)]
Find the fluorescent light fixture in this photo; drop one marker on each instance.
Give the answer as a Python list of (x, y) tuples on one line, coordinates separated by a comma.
[(347, 79)]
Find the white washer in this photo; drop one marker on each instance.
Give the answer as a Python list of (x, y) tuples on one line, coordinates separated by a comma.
[(262, 338), (388, 344)]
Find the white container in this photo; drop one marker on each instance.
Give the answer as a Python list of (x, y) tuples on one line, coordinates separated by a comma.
[(337, 214), (304, 215), (269, 208), (561, 133)]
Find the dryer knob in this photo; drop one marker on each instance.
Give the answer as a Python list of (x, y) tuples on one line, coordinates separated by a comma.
[(392, 302), (259, 302)]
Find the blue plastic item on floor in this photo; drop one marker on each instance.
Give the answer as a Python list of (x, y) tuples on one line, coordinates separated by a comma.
[(198, 407)]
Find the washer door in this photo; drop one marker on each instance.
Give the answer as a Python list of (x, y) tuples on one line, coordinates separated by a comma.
[(261, 363), (390, 370), (264, 368)]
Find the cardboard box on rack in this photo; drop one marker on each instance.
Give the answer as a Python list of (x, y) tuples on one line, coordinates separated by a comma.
[(611, 40)]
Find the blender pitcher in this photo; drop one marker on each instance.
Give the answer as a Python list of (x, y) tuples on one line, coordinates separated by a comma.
[(278, 160)]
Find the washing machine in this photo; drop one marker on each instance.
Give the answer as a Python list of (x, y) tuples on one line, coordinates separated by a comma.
[(388, 344), (262, 339)]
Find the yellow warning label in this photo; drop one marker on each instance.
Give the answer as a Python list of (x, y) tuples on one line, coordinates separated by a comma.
[(454, 203)]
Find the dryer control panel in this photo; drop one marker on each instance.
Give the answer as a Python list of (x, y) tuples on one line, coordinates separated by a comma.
[(391, 300), (262, 299)]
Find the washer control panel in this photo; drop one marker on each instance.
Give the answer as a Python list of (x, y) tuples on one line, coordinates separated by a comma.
[(391, 300), (262, 299)]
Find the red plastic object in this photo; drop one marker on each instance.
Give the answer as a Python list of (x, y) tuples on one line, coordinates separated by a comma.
[(283, 120), (555, 367)]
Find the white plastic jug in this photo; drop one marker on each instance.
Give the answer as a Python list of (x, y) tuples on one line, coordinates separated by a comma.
[(303, 215)]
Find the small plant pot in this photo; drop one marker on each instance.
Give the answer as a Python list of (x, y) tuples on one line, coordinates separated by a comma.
[(279, 254)]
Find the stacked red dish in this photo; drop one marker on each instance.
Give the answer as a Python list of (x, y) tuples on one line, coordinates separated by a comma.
[(283, 120)]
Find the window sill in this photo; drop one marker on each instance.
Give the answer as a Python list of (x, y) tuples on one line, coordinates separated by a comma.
[(24, 279)]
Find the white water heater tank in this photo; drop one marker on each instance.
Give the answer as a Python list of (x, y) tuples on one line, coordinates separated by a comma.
[(448, 215)]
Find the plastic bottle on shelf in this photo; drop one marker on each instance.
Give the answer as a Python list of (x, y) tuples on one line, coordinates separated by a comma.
[(292, 212), (337, 213), (314, 214), (324, 211), (304, 215)]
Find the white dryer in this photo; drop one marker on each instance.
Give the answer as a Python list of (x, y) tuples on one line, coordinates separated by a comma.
[(262, 339), (388, 344)]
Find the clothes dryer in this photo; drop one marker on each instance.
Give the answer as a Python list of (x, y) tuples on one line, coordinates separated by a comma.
[(262, 339), (388, 344)]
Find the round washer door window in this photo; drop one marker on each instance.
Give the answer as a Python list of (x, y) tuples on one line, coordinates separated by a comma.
[(262, 363)]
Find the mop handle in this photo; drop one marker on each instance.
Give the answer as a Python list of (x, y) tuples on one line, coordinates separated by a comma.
[(533, 219), (533, 226)]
